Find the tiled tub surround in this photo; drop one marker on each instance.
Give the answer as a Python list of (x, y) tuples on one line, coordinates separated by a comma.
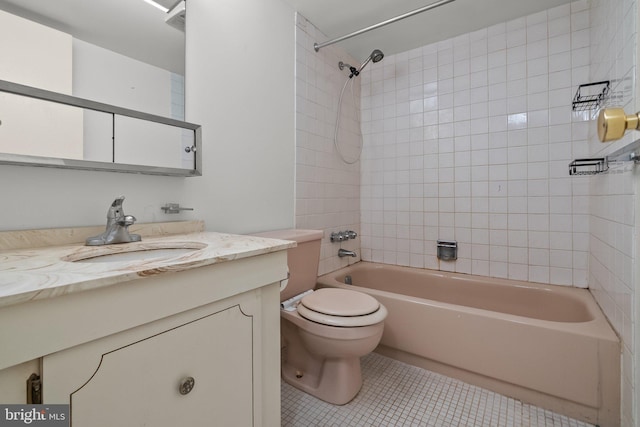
[(546, 345), (613, 242), (469, 139), (327, 189)]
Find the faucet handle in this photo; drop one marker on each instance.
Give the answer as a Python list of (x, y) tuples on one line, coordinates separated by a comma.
[(339, 236), (127, 220)]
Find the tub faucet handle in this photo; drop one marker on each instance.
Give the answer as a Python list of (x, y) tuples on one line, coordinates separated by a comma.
[(341, 236), (338, 236)]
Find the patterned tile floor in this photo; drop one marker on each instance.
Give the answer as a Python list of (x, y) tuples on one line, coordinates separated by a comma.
[(397, 394)]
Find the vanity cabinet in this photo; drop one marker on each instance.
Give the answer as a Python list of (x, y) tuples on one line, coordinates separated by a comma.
[(120, 354), (196, 366)]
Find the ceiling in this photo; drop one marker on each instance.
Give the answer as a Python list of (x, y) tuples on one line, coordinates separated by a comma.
[(129, 27), (137, 29), (336, 18)]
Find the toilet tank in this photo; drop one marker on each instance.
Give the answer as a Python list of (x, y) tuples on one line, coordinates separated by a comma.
[(303, 260)]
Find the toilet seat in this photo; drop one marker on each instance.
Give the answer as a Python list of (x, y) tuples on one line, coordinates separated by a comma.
[(341, 307)]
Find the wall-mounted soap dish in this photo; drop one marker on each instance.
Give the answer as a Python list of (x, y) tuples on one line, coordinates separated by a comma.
[(447, 250)]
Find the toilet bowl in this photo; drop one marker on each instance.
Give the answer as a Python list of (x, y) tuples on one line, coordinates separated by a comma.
[(321, 355), (325, 335)]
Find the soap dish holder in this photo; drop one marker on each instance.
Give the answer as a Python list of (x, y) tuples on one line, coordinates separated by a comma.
[(447, 250)]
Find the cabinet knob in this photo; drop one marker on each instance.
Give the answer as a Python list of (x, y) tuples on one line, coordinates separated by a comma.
[(186, 385)]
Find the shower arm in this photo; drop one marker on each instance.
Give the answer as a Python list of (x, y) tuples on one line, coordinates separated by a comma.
[(319, 46)]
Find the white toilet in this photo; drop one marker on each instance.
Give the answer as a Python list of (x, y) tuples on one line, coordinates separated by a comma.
[(325, 336)]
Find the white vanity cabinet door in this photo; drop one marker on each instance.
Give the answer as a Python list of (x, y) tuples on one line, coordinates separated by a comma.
[(125, 380)]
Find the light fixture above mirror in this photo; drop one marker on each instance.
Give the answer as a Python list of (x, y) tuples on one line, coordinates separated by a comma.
[(157, 5)]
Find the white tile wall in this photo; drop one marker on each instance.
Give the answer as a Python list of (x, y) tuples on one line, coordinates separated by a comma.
[(327, 189), (612, 196), (469, 139)]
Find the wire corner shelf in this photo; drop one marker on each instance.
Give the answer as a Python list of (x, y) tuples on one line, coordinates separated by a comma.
[(590, 96), (596, 165), (588, 166)]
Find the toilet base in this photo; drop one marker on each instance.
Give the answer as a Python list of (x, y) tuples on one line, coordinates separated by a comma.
[(322, 360), (338, 382)]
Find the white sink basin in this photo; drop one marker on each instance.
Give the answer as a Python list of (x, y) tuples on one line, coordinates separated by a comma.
[(131, 252)]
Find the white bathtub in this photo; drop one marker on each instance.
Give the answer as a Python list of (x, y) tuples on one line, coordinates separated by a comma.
[(546, 345)]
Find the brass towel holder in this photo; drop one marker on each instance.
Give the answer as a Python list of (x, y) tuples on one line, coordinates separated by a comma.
[(614, 122), (612, 125)]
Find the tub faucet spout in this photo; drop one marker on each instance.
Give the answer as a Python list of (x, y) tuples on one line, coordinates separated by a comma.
[(344, 252), (117, 230)]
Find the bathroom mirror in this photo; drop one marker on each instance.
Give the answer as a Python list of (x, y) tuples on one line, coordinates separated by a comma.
[(125, 55), (76, 133)]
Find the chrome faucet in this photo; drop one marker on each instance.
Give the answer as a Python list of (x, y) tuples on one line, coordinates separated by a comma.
[(117, 230), (344, 252)]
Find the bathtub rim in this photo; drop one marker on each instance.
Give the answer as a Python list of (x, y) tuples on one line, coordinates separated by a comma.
[(599, 327)]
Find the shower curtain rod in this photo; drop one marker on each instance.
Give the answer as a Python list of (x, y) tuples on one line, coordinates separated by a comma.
[(317, 46)]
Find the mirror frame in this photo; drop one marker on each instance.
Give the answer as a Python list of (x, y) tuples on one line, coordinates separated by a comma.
[(26, 160)]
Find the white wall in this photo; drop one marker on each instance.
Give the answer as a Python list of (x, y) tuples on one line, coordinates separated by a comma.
[(105, 76), (39, 57), (51, 198), (29, 48), (240, 88)]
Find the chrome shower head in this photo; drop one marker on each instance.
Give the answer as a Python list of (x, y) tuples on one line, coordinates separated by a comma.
[(376, 56)]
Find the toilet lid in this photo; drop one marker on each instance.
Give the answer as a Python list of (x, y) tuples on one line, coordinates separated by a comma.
[(340, 302), (374, 318)]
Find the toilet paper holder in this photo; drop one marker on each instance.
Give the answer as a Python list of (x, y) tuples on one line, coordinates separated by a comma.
[(447, 250)]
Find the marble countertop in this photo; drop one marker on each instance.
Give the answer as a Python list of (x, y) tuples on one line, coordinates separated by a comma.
[(50, 271)]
